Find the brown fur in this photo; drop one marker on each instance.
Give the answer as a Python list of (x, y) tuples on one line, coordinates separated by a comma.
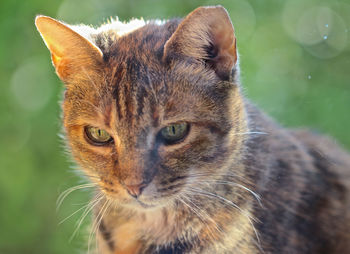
[(199, 194)]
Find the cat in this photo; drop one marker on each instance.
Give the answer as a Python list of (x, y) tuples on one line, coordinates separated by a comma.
[(182, 162)]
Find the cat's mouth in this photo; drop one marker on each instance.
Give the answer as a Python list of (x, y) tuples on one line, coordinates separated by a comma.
[(144, 205), (150, 197), (142, 201)]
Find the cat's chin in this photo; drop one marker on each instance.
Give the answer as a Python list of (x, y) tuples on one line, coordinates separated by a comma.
[(141, 204), (137, 204)]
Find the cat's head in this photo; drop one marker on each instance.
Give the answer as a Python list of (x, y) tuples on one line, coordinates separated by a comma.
[(152, 111)]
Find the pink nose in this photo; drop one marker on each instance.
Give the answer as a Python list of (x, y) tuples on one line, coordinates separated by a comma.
[(135, 190)]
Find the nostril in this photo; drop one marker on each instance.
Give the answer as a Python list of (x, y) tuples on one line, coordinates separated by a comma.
[(135, 190)]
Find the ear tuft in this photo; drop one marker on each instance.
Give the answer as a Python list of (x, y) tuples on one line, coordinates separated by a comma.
[(206, 35), (70, 51)]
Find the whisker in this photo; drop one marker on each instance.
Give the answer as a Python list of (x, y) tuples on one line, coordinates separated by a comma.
[(100, 221), (205, 213), (256, 234), (64, 194), (81, 208), (96, 220), (199, 215), (218, 181), (88, 209), (257, 196), (210, 194)]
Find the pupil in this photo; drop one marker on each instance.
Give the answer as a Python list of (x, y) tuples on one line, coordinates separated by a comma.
[(99, 132), (173, 129)]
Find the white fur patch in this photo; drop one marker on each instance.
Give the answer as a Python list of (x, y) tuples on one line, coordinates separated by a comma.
[(122, 28), (114, 25)]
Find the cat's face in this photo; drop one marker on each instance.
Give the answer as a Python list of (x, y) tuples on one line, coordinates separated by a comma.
[(147, 122)]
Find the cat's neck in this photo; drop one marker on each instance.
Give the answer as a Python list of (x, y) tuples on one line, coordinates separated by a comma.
[(183, 224)]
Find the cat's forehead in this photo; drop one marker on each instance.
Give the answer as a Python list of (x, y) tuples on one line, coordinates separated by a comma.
[(135, 67), (137, 39)]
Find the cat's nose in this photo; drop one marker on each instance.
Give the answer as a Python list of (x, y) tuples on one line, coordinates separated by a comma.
[(135, 190)]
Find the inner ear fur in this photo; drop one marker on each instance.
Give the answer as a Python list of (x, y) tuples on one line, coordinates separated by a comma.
[(70, 52), (206, 35)]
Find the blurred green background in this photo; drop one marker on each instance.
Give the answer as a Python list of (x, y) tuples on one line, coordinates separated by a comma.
[(295, 62)]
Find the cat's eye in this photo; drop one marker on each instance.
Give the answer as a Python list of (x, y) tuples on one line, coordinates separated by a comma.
[(98, 136), (174, 133)]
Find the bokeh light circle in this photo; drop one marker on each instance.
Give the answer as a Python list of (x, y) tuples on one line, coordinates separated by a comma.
[(31, 83), (319, 29)]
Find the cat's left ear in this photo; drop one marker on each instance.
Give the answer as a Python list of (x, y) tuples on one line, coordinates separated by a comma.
[(206, 35), (71, 53)]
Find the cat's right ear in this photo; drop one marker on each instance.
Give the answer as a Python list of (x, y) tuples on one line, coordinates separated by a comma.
[(207, 36), (71, 53)]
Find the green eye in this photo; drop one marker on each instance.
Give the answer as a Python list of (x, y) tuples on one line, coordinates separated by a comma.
[(174, 133), (98, 136)]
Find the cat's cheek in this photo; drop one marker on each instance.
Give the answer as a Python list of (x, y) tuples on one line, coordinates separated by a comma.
[(116, 193)]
